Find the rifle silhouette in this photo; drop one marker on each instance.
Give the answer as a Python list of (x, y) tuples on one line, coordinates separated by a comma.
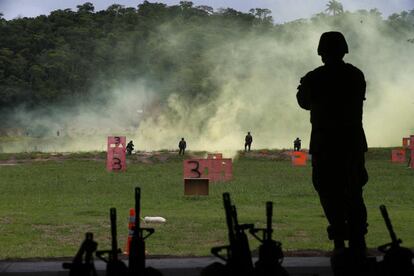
[(80, 266), (238, 259), (136, 259), (114, 266), (397, 261), (270, 251)]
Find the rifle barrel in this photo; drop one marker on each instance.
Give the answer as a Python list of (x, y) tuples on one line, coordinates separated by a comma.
[(387, 220), (228, 208), (269, 214), (114, 241), (137, 210)]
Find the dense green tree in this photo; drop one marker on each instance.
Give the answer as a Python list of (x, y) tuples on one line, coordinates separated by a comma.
[(334, 7), (86, 8)]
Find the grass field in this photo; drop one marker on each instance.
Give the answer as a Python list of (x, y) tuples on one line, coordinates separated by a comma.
[(48, 202)]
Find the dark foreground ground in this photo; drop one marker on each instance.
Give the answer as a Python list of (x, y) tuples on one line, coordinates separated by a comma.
[(296, 266)]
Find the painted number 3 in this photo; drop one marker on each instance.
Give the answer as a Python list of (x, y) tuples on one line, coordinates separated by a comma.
[(195, 169), (116, 164)]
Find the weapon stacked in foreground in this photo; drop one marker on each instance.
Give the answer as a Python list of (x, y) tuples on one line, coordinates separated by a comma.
[(114, 266), (238, 260), (136, 259), (79, 265), (270, 251), (397, 261)]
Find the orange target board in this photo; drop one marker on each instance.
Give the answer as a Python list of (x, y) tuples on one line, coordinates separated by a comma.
[(213, 169), (299, 158), (116, 155)]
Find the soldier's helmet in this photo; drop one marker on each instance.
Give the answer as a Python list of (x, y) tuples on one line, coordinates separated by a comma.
[(332, 43)]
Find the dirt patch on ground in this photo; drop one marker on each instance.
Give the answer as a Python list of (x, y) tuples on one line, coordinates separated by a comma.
[(137, 157)]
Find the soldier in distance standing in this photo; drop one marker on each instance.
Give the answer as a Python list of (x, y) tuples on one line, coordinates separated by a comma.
[(130, 147), (182, 145), (297, 144), (334, 94), (248, 141)]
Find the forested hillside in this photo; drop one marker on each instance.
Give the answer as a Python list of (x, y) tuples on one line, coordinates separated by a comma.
[(69, 54)]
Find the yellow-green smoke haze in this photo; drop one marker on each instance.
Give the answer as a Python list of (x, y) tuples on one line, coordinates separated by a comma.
[(255, 74)]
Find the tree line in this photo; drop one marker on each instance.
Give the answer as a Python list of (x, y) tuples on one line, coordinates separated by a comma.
[(69, 56)]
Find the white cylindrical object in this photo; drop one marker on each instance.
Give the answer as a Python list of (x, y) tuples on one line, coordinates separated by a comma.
[(154, 220)]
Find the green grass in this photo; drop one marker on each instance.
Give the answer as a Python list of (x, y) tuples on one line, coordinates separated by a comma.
[(46, 207)]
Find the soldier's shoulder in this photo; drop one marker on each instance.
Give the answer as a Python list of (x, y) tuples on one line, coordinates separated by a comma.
[(353, 69)]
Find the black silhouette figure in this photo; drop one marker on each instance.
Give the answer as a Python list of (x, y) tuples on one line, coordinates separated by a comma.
[(130, 147), (270, 251), (297, 144), (334, 94), (82, 264), (114, 266), (238, 256), (182, 145), (397, 261), (248, 141), (136, 261)]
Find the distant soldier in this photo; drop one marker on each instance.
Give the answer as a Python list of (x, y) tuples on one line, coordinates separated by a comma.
[(130, 147), (182, 145), (297, 144), (248, 141), (334, 94), (58, 133)]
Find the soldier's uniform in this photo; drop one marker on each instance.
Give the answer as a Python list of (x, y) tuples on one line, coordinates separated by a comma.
[(297, 144), (130, 147), (248, 141), (182, 145), (334, 94)]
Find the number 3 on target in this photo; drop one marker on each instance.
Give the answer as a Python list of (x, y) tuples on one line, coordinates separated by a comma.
[(195, 168)]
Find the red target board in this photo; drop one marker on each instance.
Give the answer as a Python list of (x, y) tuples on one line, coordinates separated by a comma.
[(116, 155), (213, 169), (411, 146), (412, 159), (405, 142), (398, 156)]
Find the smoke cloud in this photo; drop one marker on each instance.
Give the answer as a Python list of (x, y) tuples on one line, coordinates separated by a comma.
[(255, 75)]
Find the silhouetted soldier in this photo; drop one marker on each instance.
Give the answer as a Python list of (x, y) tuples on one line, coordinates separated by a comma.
[(248, 141), (182, 145), (297, 144), (130, 147), (334, 94)]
